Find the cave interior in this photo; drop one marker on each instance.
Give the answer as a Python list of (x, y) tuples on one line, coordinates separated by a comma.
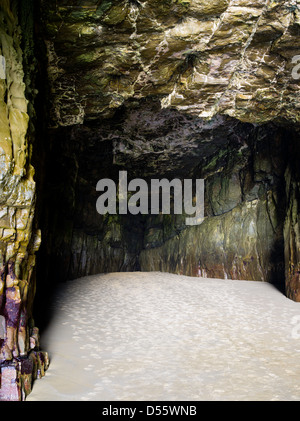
[(118, 86)]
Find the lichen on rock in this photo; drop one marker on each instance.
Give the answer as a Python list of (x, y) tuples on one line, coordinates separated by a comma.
[(19, 238), (227, 57)]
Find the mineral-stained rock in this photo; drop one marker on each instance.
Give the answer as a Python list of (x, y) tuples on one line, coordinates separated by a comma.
[(227, 57), (9, 384), (226, 246), (19, 237), (292, 224), (17, 376)]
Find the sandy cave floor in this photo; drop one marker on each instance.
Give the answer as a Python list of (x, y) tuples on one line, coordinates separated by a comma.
[(158, 336)]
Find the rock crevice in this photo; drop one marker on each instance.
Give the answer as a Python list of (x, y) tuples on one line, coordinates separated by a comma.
[(19, 236)]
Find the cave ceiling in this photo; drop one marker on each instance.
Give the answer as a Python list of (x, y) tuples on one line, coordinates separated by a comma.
[(157, 86), (201, 58)]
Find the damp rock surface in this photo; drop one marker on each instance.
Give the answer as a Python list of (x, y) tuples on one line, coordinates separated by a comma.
[(160, 336), (227, 57)]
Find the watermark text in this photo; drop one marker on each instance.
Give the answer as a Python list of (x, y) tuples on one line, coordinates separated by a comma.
[(296, 69), (154, 199)]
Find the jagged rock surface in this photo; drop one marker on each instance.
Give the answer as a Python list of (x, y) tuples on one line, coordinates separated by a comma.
[(230, 57), (19, 236)]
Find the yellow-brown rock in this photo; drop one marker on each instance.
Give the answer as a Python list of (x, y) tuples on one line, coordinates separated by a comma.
[(17, 209)]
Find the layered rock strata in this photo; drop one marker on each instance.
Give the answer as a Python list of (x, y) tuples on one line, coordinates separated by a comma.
[(292, 224), (19, 236)]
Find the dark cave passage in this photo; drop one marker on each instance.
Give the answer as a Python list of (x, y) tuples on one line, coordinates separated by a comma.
[(243, 167)]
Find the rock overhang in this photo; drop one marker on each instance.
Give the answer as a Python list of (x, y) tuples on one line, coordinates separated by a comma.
[(225, 57)]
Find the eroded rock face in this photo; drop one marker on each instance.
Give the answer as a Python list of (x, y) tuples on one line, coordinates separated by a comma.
[(241, 236), (19, 236), (230, 57), (291, 227)]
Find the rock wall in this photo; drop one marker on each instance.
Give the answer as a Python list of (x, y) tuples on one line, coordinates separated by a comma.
[(292, 226), (19, 236), (242, 234)]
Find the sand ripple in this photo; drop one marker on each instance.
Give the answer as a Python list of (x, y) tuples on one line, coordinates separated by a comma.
[(158, 336)]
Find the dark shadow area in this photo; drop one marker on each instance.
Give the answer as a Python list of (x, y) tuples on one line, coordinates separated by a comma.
[(77, 241)]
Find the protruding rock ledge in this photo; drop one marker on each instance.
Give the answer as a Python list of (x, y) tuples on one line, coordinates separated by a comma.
[(17, 376)]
